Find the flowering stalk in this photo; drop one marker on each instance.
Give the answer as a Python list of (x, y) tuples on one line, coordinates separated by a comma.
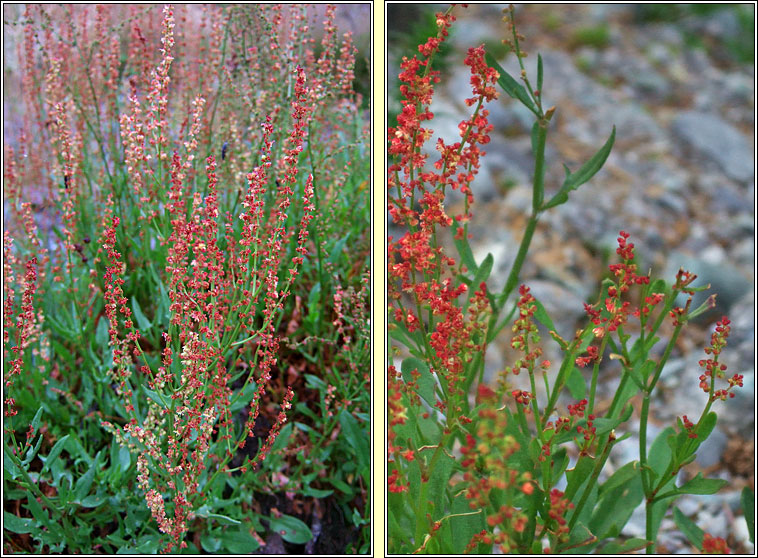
[(175, 198), (472, 468)]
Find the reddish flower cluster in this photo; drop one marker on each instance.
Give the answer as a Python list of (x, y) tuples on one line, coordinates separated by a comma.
[(68, 153), (115, 304), (714, 545), (577, 410), (393, 484), (558, 508), (715, 369), (682, 284), (689, 427), (485, 464), (522, 397), (588, 431), (482, 77), (25, 326), (525, 334), (615, 312), (225, 294), (592, 356)]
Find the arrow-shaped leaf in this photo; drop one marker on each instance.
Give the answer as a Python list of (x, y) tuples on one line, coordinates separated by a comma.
[(587, 171)]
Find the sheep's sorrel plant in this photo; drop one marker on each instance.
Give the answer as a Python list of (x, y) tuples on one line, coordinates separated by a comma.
[(185, 335), (479, 468)]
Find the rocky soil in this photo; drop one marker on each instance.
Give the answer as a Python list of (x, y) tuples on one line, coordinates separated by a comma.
[(680, 179)]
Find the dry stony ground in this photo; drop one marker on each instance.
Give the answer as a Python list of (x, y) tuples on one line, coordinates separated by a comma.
[(680, 179)]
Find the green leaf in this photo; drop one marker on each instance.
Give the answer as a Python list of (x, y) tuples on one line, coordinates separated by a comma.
[(659, 453), (585, 172), (605, 425), (462, 526), (54, 453), (580, 538), (101, 333), (76, 449), (539, 74), (620, 477), (83, 484), (591, 167), (615, 507), (626, 547), (31, 452), (576, 384), (211, 544), (155, 396), (223, 519), (579, 474), (356, 436), (124, 459), (335, 252), (142, 321), (16, 524), (302, 408), (314, 297), (65, 331), (282, 439), (426, 381), (342, 486), (439, 480), (291, 529), (464, 249), (748, 504), (541, 315), (688, 527), (560, 461), (37, 512), (314, 382), (64, 353), (700, 485), (513, 88), (659, 457), (150, 545), (244, 397), (483, 273), (36, 420), (92, 501), (316, 493), (9, 468), (709, 423)]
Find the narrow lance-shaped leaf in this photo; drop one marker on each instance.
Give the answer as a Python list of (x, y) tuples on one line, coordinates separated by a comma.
[(587, 171), (54, 452), (748, 508), (539, 74), (142, 321), (688, 527), (511, 86), (464, 249)]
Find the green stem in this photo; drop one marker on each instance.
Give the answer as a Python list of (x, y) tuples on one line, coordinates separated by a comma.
[(317, 242), (593, 479), (31, 485), (538, 190), (513, 276), (595, 373)]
